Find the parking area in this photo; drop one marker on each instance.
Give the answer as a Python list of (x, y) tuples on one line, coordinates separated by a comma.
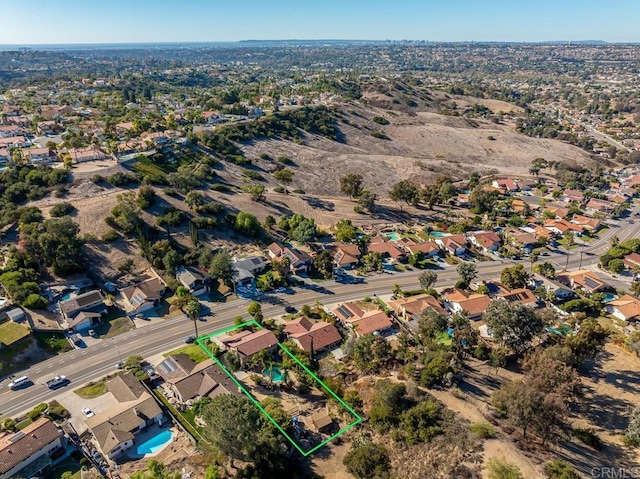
[(74, 404)]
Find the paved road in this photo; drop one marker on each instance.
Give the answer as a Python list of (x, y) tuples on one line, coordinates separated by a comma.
[(84, 365)]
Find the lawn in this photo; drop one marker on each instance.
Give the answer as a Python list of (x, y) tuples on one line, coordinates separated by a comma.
[(69, 465), (444, 338), (11, 332), (114, 323), (92, 390), (22, 424), (194, 351), (52, 343)]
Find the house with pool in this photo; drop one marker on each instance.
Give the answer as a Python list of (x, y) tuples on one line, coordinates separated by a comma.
[(116, 429)]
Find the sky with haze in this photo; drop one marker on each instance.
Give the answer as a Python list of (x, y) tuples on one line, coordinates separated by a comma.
[(125, 21)]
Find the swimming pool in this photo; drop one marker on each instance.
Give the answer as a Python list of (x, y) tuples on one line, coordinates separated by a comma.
[(155, 443), (393, 236), (609, 297), (437, 234), (66, 295), (275, 374)]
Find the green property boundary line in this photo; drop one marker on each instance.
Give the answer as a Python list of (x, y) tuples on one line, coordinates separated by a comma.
[(200, 341)]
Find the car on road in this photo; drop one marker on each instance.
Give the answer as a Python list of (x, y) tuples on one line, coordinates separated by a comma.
[(20, 382), (119, 365), (290, 310), (88, 412), (57, 381), (190, 339)]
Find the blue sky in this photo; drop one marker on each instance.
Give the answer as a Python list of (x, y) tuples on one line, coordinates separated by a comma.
[(114, 21)]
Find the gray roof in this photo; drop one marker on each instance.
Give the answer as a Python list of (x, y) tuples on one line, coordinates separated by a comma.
[(176, 366), (251, 264), (125, 387), (189, 276), (82, 301)]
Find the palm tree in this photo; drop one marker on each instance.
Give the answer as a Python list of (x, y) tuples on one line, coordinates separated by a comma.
[(192, 309)]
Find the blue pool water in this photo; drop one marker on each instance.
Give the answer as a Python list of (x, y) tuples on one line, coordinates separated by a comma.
[(66, 296), (393, 236), (154, 443), (437, 234), (609, 297), (275, 374)]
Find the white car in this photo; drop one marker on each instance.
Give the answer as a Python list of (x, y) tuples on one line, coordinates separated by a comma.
[(88, 412)]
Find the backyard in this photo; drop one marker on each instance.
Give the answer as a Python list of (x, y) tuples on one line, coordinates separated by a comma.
[(11, 333)]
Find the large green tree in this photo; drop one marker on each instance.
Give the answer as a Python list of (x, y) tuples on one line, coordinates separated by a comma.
[(351, 185), (514, 326)]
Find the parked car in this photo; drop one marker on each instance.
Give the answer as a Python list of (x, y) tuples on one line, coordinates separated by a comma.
[(88, 412), (290, 310), (20, 382), (57, 381), (190, 339), (119, 365)]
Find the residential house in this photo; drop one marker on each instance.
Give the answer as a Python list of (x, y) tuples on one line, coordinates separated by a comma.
[(48, 127), (83, 311), (11, 110), (15, 142), (7, 131), (4, 155), (300, 262), (369, 322), (505, 185), (456, 300), (543, 234), (39, 155), (29, 452), (583, 279), (246, 344), (156, 138), (632, 261), (561, 227), (601, 206), (312, 337), (429, 249), (410, 309), (521, 239), (559, 290), (79, 155), (212, 117), (188, 381), (246, 269), (521, 296), (115, 429), (196, 281), (388, 249), (487, 241), (572, 196), (345, 256), (454, 244), (558, 212), (144, 295), (626, 308), (618, 198), (589, 224)]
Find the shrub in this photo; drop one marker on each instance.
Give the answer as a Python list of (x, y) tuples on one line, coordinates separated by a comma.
[(558, 469), (298, 191), (111, 235), (588, 437), (279, 189), (61, 209), (97, 179), (501, 469), (222, 188), (35, 301), (285, 161), (483, 430), (379, 135), (380, 120)]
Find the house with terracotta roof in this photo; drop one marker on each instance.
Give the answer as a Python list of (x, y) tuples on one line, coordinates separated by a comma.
[(345, 256), (7, 131), (246, 344), (29, 452), (412, 307), (632, 261), (212, 117), (5, 156), (454, 244), (115, 429), (586, 280), (572, 196), (487, 241), (312, 337), (15, 141), (600, 206), (563, 226), (505, 184), (363, 322), (40, 155), (588, 223), (90, 153), (388, 249), (456, 300), (346, 312), (48, 127), (626, 308), (429, 249), (521, 296), (521, 239), (558, 212)]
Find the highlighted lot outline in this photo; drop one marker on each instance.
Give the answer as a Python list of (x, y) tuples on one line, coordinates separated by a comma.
[(357, 419)]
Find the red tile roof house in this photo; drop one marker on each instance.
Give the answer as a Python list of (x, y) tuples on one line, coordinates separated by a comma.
[(388, 249), (28, 452), (361, 322), (632, 260), (485, 240), (246, 344), (562, 226), (300, 262), (411, 308), (455, 245), (601, 206), (589, 224), (572, 196), (626, 308), (345, 256), (212, 117), (7, 131), (78, 155), (429, 248), (505, 184), (456, 300), (583, 279), (521, 296), (312, 337), (40, 155)]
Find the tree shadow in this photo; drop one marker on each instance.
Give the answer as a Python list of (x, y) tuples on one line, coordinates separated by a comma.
[(319, 204)]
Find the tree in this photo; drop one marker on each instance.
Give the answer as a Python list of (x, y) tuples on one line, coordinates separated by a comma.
[(558, 469), (192, 309), (125, 215), (406, 191), (465, 336), (232, 425), (351, 185), (587, 342), (323, 264), (501, 469), (546, 269), (428, 279), (61, 209), (367, 200), (368, 461), (368, 352), (221, 267), (255, 191), (482, 201), (284, 176), (255, 310), (632, 434), (467, 271), (305, 231), (156, 470), (146, 197), (514, 277), (194, 200), (372, 261), (248, 224), (430, 325), (421, 423), (345, 231), (616, 266), (514, 326)]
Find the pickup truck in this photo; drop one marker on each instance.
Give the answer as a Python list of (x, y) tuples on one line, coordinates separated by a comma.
[(57, 382)]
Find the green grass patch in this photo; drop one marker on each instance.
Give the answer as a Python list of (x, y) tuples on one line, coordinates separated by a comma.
[(118, 326), (11, 332), (92, 390), (444, 338), (194, 352), (22, 424), (157, 165), (52, 343)]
